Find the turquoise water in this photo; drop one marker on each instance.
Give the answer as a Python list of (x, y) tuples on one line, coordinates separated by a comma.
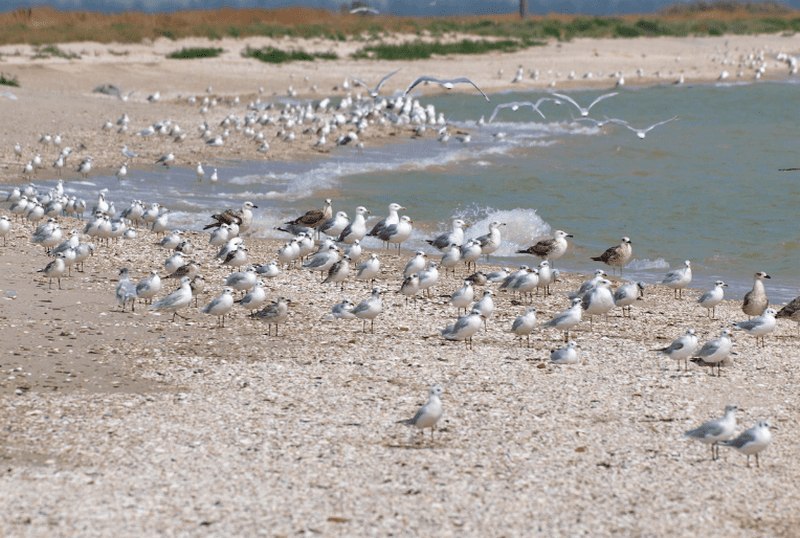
[(704, 188)]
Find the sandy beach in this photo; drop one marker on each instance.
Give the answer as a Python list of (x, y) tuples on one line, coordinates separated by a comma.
[(127, 424)]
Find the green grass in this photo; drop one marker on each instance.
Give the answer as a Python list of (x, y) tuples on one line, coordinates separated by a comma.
[(189, 54), (277, 56), (418, 50), (46, 51), (12, 81)]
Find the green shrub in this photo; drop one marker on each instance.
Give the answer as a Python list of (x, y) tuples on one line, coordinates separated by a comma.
[(191, 53)]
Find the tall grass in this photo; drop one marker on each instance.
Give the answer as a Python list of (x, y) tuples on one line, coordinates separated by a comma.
[(419, 50), (277, 56), (9, 81)]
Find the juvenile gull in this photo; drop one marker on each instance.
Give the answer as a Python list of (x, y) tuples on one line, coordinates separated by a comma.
[(715, 353), (430, 413), (464, 328), (566, 355), (752, 441), (760, 325), (447, 84), (339, 271), (679, 278), (274, 314), (756, 300), (242, 217), (566, 320), (197, 285), (710, 299), (583, 111), (410, 287), (714, 431), (444, 241), (525, 324), (314, 217), (627, 294), (681, 349), (220, 306), (791, 311), (550, 249), (617, 256)]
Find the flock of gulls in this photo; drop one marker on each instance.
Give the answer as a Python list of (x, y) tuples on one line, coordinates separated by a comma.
[(329, 243)]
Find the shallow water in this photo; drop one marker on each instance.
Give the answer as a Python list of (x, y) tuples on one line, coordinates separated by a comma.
[(704, 188)]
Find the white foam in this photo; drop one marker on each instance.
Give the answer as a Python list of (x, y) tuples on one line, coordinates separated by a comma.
[(648, 265)]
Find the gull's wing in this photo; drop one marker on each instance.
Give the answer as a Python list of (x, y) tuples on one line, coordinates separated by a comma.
[(384, 79), (568, 99), (443, 83), (606, 96), (359, 81), (660, 123)]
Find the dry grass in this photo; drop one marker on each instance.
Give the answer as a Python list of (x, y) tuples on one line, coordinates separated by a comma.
[(44, 25)]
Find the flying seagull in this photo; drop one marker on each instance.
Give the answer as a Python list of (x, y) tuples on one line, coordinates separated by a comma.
[(374, 93), (448, 84), (640, 132), (515, 105), (584, 111)]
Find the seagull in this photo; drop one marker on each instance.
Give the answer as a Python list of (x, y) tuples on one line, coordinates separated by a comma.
[(752, 441), (760, 325), (339, 271), (5, 227), (323, 260), (410, 287), (149, 287), (397, 233), (374, 93), (220, 306), (166, 159), (415, 264), (485, 306), (313, 218), (430, 413), (627, 294), (791, 311), (392, 218), (641, 133), (242, 217), (369, 309), (714, 431), (599, 301), (334, 225), (356, 229), (447, 84), (679, 278), (681, 349), (491, 241), (755, 300), (617, 256), (710, 299), (462, 297), (255, 298), (343, 310), (125, 291), (176, 300), (274, 314), (428, 277), (369, 269), (455, 237), (55, 269), (550, 249), (128, 153), (515, 105), (584, 111), (200, 172), (464, 328), (122, 171), (525, 324), (716, 352), (566, 355), (566, 320)]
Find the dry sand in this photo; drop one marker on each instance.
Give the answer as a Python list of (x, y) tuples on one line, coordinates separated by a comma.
[(126, 424)]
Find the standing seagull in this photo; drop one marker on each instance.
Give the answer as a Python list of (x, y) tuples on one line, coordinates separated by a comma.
[(681, 349), (369, 309), (491, 241), (716, 352), (525, 324), (125, 291), (617, 256), (176, 300), (583, 111), (679, 278), (274, 313), (454, 237), (760, 325), (566, 320), (752, 441), (242, 217), (714, 431), (756, 300), (356, 229), (166, 160), (791, 311), (220, 306), (549, 249), (627, 295), (392, 218), (710, 299), (397, 233), (311, 219), (447, 84), (430, 413), (55, 269), (464, 328)]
